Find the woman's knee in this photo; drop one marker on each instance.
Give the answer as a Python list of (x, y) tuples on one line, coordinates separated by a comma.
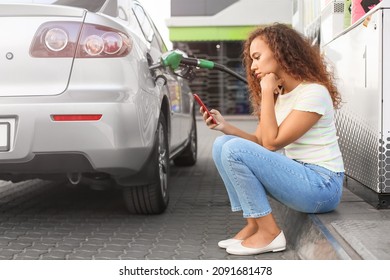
[(239, 145), (219, 142)]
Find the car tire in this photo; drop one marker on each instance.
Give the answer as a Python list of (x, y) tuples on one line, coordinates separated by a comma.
[(153, 198), (189, 155)]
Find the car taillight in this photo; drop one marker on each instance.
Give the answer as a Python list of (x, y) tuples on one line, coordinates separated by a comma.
[(71, 39), (101, 41), (113, 42), (56, 39)]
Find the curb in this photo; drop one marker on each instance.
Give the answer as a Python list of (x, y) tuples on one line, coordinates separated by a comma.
[(308, 236)]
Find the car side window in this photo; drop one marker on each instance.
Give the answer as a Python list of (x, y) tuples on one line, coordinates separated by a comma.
[(160, 40), (150, 33), (122, 14), (126, 14), (144, 22)]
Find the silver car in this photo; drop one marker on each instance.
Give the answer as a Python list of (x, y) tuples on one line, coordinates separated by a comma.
[(79, 101)]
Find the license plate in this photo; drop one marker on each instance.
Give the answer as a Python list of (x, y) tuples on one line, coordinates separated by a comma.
[(4, 136)]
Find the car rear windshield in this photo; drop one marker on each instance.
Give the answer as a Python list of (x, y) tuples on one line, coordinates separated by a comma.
[(90, 5)]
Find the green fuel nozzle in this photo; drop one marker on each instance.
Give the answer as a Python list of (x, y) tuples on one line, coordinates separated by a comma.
[(174, 59)]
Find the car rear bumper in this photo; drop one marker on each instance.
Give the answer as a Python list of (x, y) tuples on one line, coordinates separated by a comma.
[(118, 144)]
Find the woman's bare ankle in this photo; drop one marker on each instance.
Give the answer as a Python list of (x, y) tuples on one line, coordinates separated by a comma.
[(246, 232), (261, 238)]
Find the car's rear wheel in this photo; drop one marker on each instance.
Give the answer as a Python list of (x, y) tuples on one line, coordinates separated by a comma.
[(189, 155), (154, 197)]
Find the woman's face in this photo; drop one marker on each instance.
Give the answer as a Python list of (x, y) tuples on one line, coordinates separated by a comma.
[(263, 61)]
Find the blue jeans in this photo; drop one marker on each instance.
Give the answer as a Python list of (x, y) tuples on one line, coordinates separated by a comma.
[(250, 172)]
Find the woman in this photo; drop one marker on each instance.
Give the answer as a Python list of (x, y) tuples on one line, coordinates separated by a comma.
[(293, 155)]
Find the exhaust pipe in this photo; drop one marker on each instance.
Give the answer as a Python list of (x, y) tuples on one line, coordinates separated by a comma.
[(74, 178)]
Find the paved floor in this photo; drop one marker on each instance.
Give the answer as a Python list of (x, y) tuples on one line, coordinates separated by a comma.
[(43, 220)]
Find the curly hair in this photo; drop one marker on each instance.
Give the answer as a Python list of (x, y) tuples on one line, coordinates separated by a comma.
[(295, 55)]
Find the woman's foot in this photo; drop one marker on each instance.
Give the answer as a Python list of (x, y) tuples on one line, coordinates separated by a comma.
[(246, 232), (228, 242), (276, 245), (260, 239)]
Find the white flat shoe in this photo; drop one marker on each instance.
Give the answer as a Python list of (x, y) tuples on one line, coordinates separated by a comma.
[(228, 242), (278, 244)]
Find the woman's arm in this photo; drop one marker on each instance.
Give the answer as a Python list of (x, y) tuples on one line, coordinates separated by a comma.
[(229, 129), (296, 124)]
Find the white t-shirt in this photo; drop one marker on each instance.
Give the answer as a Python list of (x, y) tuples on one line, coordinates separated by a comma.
[(318, 145)]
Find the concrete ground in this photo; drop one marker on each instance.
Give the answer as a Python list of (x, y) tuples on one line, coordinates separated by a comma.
[(44, 220)]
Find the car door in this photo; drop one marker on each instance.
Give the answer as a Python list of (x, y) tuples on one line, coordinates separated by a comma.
[(186, 113), (156, 49)]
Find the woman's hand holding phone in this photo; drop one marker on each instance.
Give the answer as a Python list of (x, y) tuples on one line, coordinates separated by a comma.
[(212, 118), (204, 109)]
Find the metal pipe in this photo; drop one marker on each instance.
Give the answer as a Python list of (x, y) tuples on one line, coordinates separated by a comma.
[(74, 178)]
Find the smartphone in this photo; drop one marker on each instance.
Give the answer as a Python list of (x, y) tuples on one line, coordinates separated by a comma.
[(201, 104)]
